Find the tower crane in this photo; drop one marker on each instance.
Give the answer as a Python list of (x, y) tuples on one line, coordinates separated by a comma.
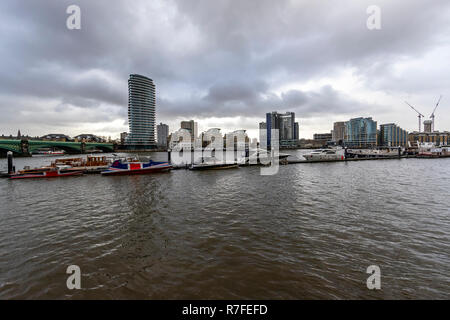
[(419, 115), (432, 115)]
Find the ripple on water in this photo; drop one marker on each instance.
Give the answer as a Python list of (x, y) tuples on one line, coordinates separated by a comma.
[(308, 232)]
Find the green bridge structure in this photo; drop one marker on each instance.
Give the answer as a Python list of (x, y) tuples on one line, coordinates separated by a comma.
[(27, 147)]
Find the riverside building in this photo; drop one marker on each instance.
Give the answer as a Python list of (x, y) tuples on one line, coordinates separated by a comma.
[(360, 133), (163, 134), (392, 135), (338, 133), (141, 113), (285, 123)]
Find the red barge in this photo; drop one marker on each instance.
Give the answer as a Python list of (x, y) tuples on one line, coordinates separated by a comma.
[(49, 173)]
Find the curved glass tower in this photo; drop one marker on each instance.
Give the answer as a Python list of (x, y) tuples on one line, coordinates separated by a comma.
[(141, 111)]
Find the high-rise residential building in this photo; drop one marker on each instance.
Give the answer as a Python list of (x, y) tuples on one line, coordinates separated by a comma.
[(296, 131), (360, 133), (287, 126), (141, 111), (285, 123), (338, 133), (263, 135), (192, 127), (162, 133), (392, 136)]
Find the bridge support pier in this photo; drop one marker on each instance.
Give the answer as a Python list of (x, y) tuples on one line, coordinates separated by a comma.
[(11, 168)]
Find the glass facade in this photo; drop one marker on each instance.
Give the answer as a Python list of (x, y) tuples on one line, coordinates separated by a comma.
[(392, 136), (361, 133), (285, 123), (141, 111)]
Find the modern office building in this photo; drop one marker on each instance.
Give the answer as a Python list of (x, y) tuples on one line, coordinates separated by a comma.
[(360, 133), (141, 112), (192, 127), (162, 131), (338, 133), (392, 135), (285, 123)]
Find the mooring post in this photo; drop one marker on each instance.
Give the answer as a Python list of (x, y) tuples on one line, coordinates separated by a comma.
[(10, 162)]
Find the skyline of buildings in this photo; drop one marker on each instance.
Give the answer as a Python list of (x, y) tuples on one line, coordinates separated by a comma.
[(357, 132)]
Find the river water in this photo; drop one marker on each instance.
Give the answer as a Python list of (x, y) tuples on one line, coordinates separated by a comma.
[(308, 232)]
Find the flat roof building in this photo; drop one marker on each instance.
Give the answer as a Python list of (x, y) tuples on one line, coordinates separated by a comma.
[(141, 112)]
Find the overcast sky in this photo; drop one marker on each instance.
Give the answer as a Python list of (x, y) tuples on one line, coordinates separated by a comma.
[(222, 63)]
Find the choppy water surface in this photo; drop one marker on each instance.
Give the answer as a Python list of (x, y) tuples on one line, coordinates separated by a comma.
[(308, 232)]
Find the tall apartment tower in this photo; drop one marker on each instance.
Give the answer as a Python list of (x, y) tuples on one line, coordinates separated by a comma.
[(141, 111), (163, 133), (285, 123)]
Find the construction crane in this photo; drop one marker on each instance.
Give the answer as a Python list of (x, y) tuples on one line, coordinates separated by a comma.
[(419, 116), (432, 115)]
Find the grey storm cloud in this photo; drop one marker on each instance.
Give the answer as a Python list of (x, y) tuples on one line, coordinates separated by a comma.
[(244, 99), (219, 58)]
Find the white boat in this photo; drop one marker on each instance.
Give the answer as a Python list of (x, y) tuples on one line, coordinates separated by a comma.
[(212, 163), (325, 155), (429, 149), (264, 157)]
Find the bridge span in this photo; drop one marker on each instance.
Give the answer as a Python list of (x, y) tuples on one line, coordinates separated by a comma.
[(27, 147)]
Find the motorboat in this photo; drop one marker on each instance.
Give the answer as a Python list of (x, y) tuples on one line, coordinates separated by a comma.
[(383, 153), (430, 150), (325, 155), (212, 163)]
